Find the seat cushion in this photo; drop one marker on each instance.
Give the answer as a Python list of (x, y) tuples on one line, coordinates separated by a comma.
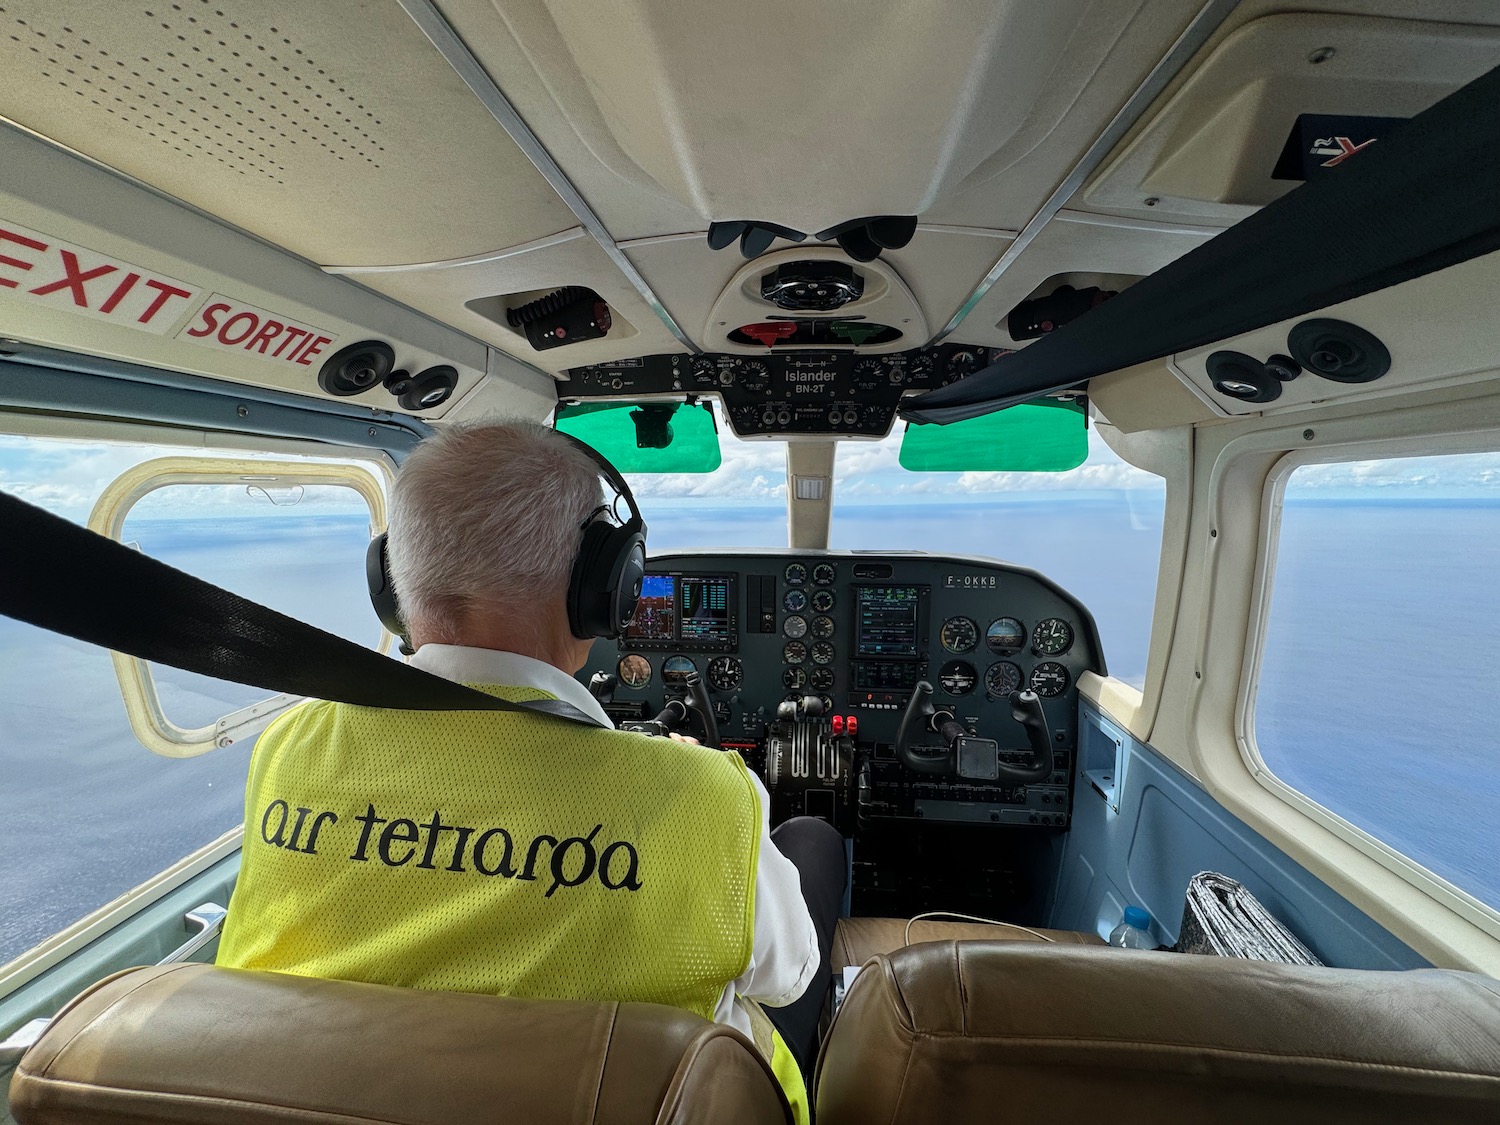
[(858, 939), (212, 1046), (963, 1032)]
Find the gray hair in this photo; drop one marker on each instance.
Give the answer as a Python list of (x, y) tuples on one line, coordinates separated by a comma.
[(489, 515)]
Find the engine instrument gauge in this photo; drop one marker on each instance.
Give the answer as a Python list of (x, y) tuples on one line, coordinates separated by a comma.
[(869, 375), (795, 574), (960, 634), (793, 679), (919, 368), (1051, 637), (793, 652), (753, 376), (794, 627), (823, 627), (960, 365), (822, 600), (1001, 679), (634, 670), (824, 573), (725, 673), (1049, 679), (821, 679), (676, 669), (795, 601), (822, 652), (1005, 636), (958, 677), (705, 371)]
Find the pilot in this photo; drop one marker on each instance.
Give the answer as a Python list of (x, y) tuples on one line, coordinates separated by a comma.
[(518, 854)]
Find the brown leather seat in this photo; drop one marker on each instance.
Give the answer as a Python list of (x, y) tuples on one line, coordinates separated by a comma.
[(195, 1043), (858, 939), (963, 1032)]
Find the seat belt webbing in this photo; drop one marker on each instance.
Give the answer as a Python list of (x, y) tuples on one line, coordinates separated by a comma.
[(59, 576), (1425, 197)]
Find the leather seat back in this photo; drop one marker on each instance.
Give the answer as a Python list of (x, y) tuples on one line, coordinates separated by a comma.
[(1010, 1031), (195, 1043)]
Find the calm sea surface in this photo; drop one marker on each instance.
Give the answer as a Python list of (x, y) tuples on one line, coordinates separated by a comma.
[(1381, 692)]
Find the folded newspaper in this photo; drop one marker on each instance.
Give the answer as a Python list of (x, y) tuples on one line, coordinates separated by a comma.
[(1222, 918)]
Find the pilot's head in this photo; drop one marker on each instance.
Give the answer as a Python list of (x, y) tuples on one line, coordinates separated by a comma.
[(486, 520)]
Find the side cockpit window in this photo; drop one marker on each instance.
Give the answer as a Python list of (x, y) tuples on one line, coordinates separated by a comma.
[(1374, 700), (91, 812)]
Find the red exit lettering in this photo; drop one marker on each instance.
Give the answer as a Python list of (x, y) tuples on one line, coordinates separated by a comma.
[(234, 326), (51, 273)]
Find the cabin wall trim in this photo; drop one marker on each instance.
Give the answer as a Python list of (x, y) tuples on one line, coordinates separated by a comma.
[(1211, 653)]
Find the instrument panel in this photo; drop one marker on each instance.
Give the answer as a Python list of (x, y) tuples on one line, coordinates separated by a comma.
[(788, 393), (855, 632)]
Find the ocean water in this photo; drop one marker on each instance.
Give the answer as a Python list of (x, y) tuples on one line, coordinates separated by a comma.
[(1380, 696)]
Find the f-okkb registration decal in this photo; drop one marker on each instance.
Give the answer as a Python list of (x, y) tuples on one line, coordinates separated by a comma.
[(50, 273)]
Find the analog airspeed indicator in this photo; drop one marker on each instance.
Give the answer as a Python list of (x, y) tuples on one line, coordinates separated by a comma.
[(960, 634), (1049, 679)]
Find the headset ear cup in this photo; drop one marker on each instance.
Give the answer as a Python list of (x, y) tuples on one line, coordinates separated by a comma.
[(382, 593), (606, 581), (628, 584)]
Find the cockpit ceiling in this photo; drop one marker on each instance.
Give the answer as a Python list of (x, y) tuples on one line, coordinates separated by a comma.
[(333, 129)]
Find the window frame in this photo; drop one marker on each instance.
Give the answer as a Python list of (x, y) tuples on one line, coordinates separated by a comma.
[(148, 720), (1273, 494)]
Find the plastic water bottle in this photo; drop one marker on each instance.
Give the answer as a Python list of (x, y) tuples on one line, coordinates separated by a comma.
[(1134, 932)]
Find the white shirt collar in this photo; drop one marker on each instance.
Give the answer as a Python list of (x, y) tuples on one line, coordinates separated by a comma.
[(509, 669)]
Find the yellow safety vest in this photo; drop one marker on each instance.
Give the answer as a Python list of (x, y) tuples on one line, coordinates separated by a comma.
[(492, 852)]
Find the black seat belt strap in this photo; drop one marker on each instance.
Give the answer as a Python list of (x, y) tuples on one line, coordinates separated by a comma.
[(59, 576)]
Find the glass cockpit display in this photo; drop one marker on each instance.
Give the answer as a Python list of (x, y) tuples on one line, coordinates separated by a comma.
[(687, 611), (888, 621)]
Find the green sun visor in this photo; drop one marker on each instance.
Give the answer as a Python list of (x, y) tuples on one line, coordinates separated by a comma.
[(1044, 436), (646, 437)]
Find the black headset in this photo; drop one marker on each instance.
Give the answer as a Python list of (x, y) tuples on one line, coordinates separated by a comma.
[(605, 584)]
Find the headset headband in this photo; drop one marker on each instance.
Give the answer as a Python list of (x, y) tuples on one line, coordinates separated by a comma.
[(607, 470)]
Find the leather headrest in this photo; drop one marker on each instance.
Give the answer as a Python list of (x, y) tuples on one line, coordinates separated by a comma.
[(195, 1043), (972, 1031)]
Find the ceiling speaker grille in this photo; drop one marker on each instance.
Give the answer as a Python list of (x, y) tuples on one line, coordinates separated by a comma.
[(210, 83)]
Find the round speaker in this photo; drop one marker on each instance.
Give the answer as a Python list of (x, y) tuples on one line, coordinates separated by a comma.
[(1338, 350), (1243, 377), (429, 389), (357, 368)]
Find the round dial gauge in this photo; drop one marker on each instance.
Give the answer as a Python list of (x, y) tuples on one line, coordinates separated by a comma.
[(960, 634), (821, 679), (1049, 679), (705, 371), (1051, 637), (957, 677), (919, 368), (1001, 679), (822, 627), (1005, 636), (752, 376), (795, 574), (822, 652), (794, 652), (824, 574), (961, 364), (869, 375), (794, 627), (793, 679), (822, 600), (634, 670), (675, 669), (725, 673), (795, 601)]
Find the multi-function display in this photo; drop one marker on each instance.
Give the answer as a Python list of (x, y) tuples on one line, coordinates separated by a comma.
[(688, 611), (887, 620)]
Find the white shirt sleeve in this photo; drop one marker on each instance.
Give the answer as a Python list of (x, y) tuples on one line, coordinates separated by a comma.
[(784, 954)]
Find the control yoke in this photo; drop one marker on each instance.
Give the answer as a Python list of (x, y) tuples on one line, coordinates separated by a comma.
[(674, 716), (966, 755)]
